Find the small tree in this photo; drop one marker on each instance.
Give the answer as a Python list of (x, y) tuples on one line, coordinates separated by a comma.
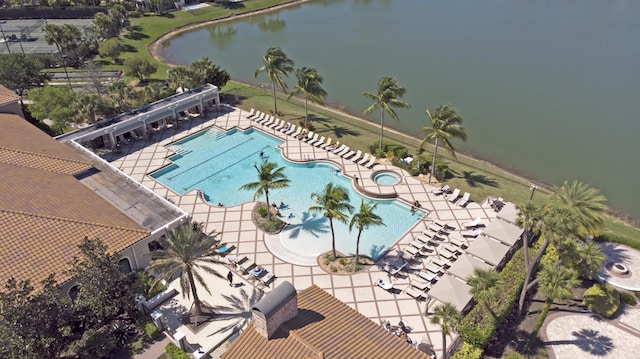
[(363, 220), (111, 48), (387, 97), (333, 202), (484, 284), (20, 72), (448, 317), (54, 103), (276, 64), (269, 177), (139, 68)]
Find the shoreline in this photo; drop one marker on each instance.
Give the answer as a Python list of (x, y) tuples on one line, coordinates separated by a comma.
[(517, 175)]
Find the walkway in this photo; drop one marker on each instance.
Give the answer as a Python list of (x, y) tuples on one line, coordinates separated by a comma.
[(358, 291)]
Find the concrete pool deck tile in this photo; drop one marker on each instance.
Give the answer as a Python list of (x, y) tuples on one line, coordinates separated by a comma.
[(344, 294)]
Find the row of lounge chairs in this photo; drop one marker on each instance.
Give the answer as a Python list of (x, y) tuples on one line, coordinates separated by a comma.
[(243, 265), (454, 196)]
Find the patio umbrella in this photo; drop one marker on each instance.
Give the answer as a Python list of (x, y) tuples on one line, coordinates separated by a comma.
[(464, 266), (503, 231), (452, 290), (488, 249)]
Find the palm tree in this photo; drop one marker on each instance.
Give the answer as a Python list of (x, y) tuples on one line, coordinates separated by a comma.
[(586, 258), (388, 96), (448, 317), (363, 219), (185, 253), (446, 124), (556, 283), (484, 285), (586, 202), (529, 217), (275, 64), (332, 202), (269, 177), (310, 86)]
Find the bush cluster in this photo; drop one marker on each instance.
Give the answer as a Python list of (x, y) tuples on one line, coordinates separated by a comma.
[(478, 326), (468, 351), (628, 298), (173, 352), (603, 299)]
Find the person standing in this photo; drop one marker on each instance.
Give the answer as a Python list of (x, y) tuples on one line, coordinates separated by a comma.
[(230, 278)]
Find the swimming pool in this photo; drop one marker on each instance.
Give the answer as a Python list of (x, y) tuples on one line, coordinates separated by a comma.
[(218, 163)]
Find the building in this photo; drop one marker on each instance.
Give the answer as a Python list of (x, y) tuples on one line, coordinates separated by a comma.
[(9, 102), (314, 324)]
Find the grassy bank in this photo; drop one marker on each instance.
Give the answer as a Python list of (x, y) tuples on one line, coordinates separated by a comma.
[(480, 178)]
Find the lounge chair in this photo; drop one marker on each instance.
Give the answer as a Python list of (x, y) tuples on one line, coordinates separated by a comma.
[(445, 225), (291, 130), (420, 285), (365, 159), (255, 116), (357, 156), (415, 253), (392, 269), (435, 228), (464, 200), (417, 244), (266, 279), (321, 142), (441, 262), (435, 269), (441, 190), (246, 266), (326, 144), (315, 141), (454, 195), (415, 293), (348, 154), (275, 123), (458, 242), (339, 148), (371, 163), (309, 136), (475, 223), (257, 273), (250, 113), (295, 134), (280, 126), (388, 286), (344, 150), (471, 233), (268, 120), (429, 233), (260, 116), (224, 249), (428, 276), (444, 253)]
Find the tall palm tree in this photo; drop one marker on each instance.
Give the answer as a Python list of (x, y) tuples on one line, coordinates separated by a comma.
[(446, 124), (269, 177), (276, 64), (556, 283), (586, 258), (310, 86), (363, 219), (387, 97), (529, 218), (448, 317), (185, 253), (332, 202), (586, 202), (484, 285)]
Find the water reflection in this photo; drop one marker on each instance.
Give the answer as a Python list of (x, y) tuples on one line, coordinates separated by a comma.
[(221, 35), (272, 24)]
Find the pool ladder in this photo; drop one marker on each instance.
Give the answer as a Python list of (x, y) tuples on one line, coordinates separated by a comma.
[(215, 133), (179, 150)]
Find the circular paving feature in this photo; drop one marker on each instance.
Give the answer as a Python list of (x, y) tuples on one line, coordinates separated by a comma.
[(386, 178), (621, 267)]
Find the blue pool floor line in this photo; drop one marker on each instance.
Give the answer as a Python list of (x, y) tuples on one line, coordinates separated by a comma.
[(229, 166), (207, 160)]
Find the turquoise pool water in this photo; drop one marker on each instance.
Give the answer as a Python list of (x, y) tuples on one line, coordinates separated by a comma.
[(218, 163)]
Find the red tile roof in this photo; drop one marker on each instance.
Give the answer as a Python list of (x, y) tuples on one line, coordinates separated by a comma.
[(324, 328), (45, 211), (7, 96)]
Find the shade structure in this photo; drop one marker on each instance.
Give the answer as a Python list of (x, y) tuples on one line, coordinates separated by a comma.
[(464, 266), (488, 249), (449, 289), (509, 213), (503, 231)]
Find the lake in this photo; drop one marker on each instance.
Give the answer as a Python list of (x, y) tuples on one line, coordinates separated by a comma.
[(549, 88)]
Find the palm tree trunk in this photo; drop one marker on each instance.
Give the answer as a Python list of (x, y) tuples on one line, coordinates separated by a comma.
[(358, 247), (529, 274), (266, 193), (194, 293), (381, 126), (444, 346), (306, 112), (275, 104), (433, 165), (333, 239)]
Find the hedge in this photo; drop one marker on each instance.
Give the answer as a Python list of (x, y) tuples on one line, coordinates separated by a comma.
[(468, 351), (603, 299), (173, 352), (478, 326)]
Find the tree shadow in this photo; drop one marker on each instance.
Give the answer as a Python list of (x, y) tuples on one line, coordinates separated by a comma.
[(475, 180), (314, 224), (238, 306), (588, 340), (136, 35), (231, 5), (128, 48)]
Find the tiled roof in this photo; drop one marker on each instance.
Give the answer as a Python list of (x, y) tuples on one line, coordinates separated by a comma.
[(45, 211), (324, 328), (7, 96)]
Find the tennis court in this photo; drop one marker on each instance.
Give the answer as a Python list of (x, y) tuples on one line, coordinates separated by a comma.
[(27, 36)]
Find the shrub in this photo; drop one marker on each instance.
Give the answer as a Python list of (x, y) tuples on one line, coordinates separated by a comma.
[(173, 352), (442, 170), (602, 299), (389, 149), (514, 356), (412, 171), (468, 351), (628, 298), (93, 344), (151, 331), (262, 211)]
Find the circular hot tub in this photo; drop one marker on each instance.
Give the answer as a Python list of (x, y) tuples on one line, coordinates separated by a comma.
[(386, 178)]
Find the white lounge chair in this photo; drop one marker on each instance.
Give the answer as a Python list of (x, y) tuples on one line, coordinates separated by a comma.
[(476, 222), (364, 159), (291, 130), (454, 195), (275, 123), (357, 156), (321, 142), (415, 293), (250, 114), (420, 285), (344, 150), (255, 115), (339, 148), (317, 141), (415, 253), (348, 154), (297, 132), (280, 126), (441, 190), (388, 286), (259, 117), (464, 200), (268, 121), (313, 140), (371, 163), (326, 144), (309, 136), (471, 233)]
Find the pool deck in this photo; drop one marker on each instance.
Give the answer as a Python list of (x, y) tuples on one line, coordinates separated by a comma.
[(139, 158)]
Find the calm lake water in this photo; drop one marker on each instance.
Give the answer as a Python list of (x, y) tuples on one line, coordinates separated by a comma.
[(550, 88)]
